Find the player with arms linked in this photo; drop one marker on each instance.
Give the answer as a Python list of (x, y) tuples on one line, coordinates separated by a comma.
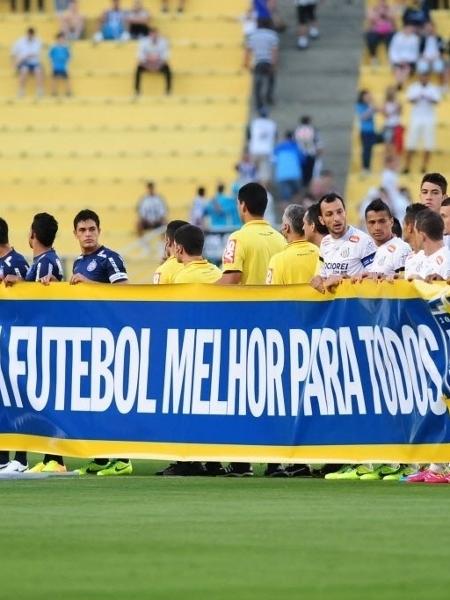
[(97, 264)]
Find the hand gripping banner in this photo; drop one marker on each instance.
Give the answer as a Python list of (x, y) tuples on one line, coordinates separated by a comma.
[(198, 372)]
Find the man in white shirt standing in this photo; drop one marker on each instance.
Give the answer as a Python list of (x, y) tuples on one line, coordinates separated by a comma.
[(152, 210), (392, 251), (153, 56), (27, 60), (404, 53), (424, 97), (262, 136), (346, 250), (433, 261)]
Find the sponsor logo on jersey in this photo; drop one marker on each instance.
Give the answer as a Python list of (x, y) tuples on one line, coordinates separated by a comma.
[(439, 260), (230, 251), (345, 252), (391, 248), (354, 238), (91, 266)]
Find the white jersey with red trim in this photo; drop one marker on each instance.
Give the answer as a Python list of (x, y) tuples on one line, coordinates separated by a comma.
[(390, 257), (420, 266), (350, 254)]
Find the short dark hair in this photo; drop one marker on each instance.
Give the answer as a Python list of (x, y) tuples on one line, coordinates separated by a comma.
[(220, 188), (44, 227), (446, 202), (86, 215), (312, 216), (4, 238), (430, 223), (254, 196), (201, 191), (412, 211), (361, 95), (329, 198), (191, 238), (377, 205), (295, 214), (31, 31), (436, 178), (397, 228), (173, 227)]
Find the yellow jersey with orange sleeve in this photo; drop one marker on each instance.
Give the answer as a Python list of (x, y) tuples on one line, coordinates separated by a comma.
[(250, 249), (166, 272), (298, 263), (198, 271)]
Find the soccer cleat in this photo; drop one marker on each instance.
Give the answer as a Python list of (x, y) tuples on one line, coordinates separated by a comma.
[(274, 470), (298, 470), (213, 469), (418, 477), (91, 468), (402, 472), (38, 468), (184, 469), (349, 473), (116, 467), (54, 467), (238, 470), (431, 477), (14, 466), (379, 473)]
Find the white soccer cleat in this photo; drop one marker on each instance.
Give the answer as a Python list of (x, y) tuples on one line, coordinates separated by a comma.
[(14, 466)]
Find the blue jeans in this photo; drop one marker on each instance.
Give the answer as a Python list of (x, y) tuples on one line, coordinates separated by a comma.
[(368, 140)]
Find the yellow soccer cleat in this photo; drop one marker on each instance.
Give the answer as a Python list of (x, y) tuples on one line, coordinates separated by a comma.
[(38, 468), (54, 467)]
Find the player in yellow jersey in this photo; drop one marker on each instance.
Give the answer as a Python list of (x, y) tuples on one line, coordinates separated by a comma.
[(299, 261), (246, 260), (170, 267), (249, 250), (188, 249)]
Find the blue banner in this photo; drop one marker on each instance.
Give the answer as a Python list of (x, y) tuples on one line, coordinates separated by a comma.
[(198, 372)]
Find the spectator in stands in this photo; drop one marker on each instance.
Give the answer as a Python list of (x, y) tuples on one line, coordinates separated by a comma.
[(416, 13), (165, 6), (288, 171), (404, 54), (27, 5), (322, 184), (153, 57), (310, 145), (26, 55), (261, 143), (72, 21), (198, 209), (221, 211), (307, 22), (392, 129), (138, 19), (424, 96), (246, 169), (366, 109), (380, 27), (314, 229), (432, 48), (59, 55), (152, 210), (61, 5), (113, 24), (262, 46)]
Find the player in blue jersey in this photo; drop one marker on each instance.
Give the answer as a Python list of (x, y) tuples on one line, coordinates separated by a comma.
[(11, 263), (98, 264), (46, 267)]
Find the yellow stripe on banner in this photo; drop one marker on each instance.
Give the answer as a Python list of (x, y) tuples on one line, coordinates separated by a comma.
[(399, 290), (377, 453)]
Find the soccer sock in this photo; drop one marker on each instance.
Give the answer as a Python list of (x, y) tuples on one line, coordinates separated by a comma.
[(436, 468), (125, 460), (101, 461), (21, 457), (4, 457), (49, 457)]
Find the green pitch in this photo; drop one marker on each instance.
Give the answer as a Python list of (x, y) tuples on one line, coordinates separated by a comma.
[(219, 539)]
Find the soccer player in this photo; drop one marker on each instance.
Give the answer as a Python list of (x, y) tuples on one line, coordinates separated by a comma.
[(392, 251), (98, 264), (46, 267), (11, 263), (299, 261), (188, 248), (433, 190), (346, 250), (445, 214), (314, 230), (170, 267), (433, 260), (245, 261)]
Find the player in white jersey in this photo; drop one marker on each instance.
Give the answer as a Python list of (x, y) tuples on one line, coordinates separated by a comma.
[(445, 214), (433, 261), (346, 250), (391, 251)]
